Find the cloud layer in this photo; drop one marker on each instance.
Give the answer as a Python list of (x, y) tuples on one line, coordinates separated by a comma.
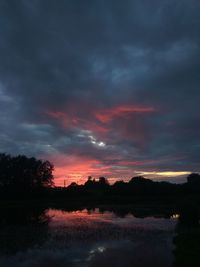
[(101, 87)]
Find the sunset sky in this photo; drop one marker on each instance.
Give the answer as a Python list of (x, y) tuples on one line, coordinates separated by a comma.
[(102, 87)]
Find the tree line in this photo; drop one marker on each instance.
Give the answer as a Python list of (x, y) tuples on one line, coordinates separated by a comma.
[(28, 175), (137, 186)]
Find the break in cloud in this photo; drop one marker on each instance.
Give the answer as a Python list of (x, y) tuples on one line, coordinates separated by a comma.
[(102, 87)]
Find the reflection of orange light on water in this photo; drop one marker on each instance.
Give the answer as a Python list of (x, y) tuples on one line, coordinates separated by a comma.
[(78, 217), (82, 220)]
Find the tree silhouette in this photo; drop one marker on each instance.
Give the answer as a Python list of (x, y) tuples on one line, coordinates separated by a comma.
[(194, 178), (103, 181), (25, 173)]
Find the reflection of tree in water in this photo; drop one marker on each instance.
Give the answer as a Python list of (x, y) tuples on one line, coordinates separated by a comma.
[(187, 239), (141, 212), (22, 228)]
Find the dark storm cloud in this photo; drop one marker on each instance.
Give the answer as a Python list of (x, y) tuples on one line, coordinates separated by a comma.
[(65, 66)]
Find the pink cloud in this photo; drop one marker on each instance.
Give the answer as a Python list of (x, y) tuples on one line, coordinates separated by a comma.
[(124, 121), (107, 115)]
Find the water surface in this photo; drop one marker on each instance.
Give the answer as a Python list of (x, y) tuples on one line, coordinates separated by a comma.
[(57, 238)]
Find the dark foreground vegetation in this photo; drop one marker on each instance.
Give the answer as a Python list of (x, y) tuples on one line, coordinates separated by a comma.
[(21, 176), (27, 191), (28, 178)]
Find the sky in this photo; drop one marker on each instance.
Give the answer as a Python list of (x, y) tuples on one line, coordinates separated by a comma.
[(102, 87)]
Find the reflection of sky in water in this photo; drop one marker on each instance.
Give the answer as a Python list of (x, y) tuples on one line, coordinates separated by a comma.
[(93, 239), (95, 218)]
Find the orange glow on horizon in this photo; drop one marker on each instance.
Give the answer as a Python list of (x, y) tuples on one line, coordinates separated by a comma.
[(70, 169)]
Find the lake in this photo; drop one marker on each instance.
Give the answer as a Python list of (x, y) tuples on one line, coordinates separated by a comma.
[(87, 237)]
